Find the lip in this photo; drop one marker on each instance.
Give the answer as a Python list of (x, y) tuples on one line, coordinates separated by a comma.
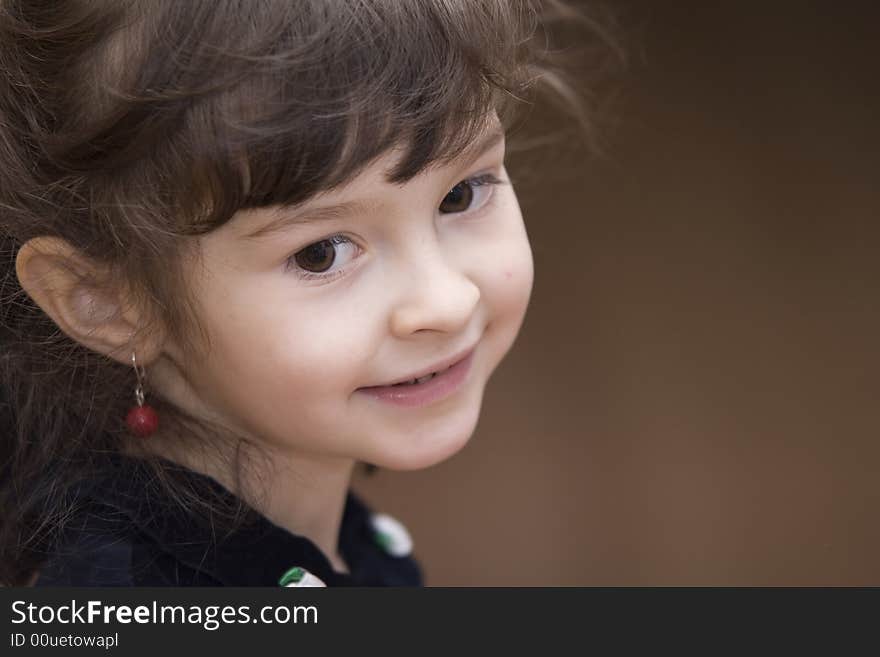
[(420, 394), (436, 367)]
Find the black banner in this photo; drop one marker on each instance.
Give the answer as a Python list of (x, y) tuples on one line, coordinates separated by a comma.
[(241, 621)]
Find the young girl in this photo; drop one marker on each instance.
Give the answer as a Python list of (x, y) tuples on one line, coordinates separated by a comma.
[(246, 246)]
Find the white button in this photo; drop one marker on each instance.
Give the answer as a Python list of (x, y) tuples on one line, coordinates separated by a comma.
[(391, 535)]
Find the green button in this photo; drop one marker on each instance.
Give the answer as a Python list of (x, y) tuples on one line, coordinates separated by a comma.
[(292, 576)]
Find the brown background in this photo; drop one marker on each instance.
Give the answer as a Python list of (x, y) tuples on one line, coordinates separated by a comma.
[(693, 397)]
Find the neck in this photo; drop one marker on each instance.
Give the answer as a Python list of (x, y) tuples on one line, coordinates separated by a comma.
[(306, 495)]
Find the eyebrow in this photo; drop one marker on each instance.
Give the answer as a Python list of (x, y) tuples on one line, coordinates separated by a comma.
[(286, 217)]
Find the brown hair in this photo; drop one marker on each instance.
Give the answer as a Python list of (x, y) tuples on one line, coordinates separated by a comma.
[(126, 126)]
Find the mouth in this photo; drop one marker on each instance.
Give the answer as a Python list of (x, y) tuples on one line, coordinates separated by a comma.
[(428, 388), (423, 377)]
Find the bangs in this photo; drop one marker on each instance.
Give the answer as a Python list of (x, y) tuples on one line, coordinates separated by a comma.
[(297, 98)]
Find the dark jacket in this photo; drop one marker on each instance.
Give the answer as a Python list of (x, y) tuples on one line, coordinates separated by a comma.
[(125, 531)]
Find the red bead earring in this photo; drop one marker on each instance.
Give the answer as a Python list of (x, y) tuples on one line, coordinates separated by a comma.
[(142, 419)]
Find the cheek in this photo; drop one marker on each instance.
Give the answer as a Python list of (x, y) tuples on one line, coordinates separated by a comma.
[(284, 382), (299, 349), (270, 350), (506, 284), (509, 277), (511, 282)]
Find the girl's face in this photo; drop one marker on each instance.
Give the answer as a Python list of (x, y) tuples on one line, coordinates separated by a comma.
[(369, 284)]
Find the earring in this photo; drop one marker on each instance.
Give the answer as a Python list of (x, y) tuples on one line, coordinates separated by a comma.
[(142, 419)]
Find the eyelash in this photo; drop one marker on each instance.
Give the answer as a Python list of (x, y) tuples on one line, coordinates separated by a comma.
[(482, 180)]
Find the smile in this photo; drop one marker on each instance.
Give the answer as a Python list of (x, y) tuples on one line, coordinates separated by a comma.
[(424, 390)]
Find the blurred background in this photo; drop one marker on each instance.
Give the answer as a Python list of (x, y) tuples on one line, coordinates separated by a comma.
[(693, 397)]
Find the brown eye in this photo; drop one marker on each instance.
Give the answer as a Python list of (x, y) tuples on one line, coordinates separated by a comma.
[(324, 260), (317, 257), (458, 199)]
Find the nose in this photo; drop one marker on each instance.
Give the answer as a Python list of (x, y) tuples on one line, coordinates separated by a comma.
[(436, 296)]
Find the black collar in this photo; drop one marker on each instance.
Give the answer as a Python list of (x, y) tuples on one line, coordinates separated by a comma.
[(256, 552)]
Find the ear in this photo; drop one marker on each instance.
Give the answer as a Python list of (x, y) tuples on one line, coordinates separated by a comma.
[(76, 294)]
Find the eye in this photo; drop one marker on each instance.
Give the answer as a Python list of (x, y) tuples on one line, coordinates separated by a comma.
[(469, 194), (317, 260)]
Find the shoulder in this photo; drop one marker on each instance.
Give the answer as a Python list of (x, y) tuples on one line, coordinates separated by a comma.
[(91, 550), (102, 543), (100, 548)]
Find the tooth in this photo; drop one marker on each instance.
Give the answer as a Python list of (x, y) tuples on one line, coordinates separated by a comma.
[(411, 382)]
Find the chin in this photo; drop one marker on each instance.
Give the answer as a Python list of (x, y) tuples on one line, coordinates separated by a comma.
[(425, 451)]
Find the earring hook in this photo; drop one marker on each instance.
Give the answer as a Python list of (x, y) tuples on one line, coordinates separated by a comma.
[(141, 374)]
